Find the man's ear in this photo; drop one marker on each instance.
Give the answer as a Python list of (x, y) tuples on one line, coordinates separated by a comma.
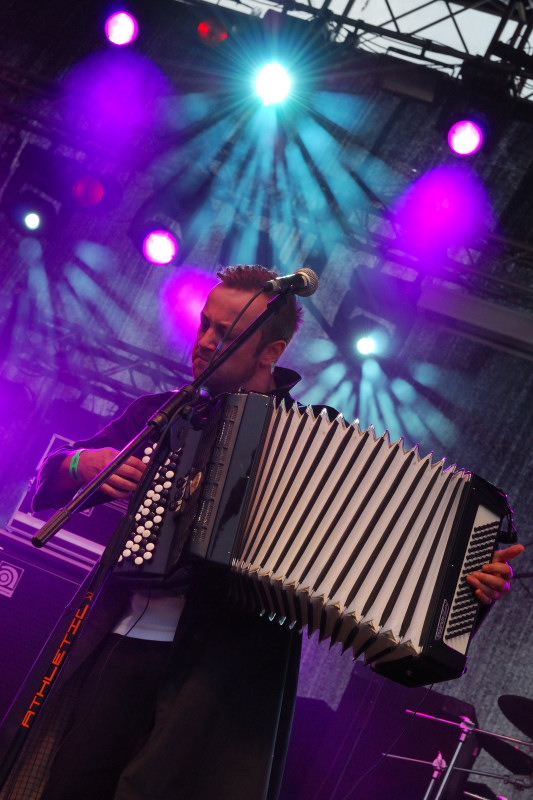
[(271, 352)]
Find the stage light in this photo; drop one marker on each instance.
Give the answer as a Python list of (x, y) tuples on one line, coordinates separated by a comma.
[(212, 32), (32, 220), (468, 128), (475, 108), (375, 315), (46, 188), (156, 235), (95, 192), (465, 137), (30, 212), (272, 83), (160, 247), (366, 345), (121, 28), (88, 191), (369, 335)]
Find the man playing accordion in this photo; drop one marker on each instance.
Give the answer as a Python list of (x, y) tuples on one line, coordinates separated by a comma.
[(168, 696)]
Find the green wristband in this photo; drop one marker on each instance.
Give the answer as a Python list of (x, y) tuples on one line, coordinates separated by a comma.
[(73, 466)]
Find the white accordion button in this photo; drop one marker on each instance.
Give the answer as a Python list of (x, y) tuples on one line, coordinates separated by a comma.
[(139, 560), (128, 543), (126, 553), (166, 485), (150, 546), (137, 517), (145, 511), (137, 539), (146, 535), (156, 497), (148, 450), (158, 488), (150, 493), (169, 473), (147, 503), (148, 524), (160, 510), (147, 556), (140, 529), (157, 519), (145, 459)]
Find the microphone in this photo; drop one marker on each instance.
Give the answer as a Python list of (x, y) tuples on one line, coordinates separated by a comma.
[(303, 282)]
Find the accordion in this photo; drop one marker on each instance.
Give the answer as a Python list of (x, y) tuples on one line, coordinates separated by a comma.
[(322, 525)]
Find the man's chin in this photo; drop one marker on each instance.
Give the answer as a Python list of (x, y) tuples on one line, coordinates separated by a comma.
[(198, 366)]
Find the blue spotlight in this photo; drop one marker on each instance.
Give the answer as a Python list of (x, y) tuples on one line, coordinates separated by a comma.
[(31, 213), (32, 221), (272, 83), (369, 338), (366, 345)]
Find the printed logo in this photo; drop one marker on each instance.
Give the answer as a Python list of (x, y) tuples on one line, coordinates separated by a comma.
[(9, 578)]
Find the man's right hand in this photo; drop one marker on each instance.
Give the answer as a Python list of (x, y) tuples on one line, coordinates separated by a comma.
[(121, 484)]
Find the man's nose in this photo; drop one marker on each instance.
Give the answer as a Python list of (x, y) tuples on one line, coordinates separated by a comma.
[(208, 340)]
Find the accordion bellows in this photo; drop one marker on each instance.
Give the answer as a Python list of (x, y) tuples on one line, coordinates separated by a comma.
[(330, 527)]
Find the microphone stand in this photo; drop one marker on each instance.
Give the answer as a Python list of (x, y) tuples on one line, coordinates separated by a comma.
[(508, 780), (466, 727), (155, 428), (437, 786)]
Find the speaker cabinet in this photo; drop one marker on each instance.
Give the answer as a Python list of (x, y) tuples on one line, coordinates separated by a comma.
[(35, 586)]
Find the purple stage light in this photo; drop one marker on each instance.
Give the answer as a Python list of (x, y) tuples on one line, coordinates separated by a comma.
[(160, 247), (465, 137), (446, 208), (181, 300), (121, 28), (113, 96)]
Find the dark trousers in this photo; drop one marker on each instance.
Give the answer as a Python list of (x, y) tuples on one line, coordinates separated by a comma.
[(197, 720)]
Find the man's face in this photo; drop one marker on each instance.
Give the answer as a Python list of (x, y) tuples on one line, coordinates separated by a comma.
[(244, 368)]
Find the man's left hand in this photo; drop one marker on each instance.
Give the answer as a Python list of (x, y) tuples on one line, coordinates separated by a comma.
[(494, 580)]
